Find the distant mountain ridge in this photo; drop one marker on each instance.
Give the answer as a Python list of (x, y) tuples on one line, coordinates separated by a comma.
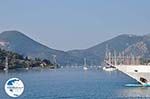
[(96, 53), (18, 42)]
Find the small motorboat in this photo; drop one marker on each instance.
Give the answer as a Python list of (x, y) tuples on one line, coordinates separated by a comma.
[(85, 68), (109, 68)]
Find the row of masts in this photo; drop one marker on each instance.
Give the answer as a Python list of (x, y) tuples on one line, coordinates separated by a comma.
[(121, 59)]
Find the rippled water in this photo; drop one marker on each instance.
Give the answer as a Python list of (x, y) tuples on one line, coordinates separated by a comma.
[(73, 84)]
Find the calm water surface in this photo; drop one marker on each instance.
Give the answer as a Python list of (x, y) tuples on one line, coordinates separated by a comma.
[(73, 84)]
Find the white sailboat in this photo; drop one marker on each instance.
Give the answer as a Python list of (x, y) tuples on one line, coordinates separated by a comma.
[(85, 65), (108, 67), (6, 64)]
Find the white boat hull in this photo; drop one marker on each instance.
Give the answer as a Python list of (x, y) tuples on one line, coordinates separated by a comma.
[(141, 73), (109, 69), (85, 68)]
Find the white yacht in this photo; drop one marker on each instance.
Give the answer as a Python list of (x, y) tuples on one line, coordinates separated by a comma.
[(132, 67), (140, 73)]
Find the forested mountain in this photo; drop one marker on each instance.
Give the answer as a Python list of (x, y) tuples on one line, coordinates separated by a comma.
[(18, 42)]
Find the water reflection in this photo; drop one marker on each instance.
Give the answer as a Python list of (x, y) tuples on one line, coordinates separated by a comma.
[(135, 92)]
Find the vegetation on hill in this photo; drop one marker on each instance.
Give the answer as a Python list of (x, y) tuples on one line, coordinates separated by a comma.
[(19, 61)]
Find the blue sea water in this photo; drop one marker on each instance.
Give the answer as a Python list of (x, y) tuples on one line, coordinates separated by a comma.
[(70, 83)]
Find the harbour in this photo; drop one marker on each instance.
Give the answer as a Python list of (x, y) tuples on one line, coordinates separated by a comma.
[(74, 49), (74, 83)]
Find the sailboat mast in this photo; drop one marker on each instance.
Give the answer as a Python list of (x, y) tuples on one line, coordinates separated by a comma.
[(6, 63), (115, 58), (85, 64), (106, 52)]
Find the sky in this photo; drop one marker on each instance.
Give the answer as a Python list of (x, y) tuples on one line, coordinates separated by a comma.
[(75, 24)]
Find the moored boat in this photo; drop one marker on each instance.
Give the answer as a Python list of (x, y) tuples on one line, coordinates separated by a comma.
[(85, 65), (109, 68), (132, 67)]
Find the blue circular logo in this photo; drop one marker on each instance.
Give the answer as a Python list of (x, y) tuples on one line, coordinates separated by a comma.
[(14, 87)]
